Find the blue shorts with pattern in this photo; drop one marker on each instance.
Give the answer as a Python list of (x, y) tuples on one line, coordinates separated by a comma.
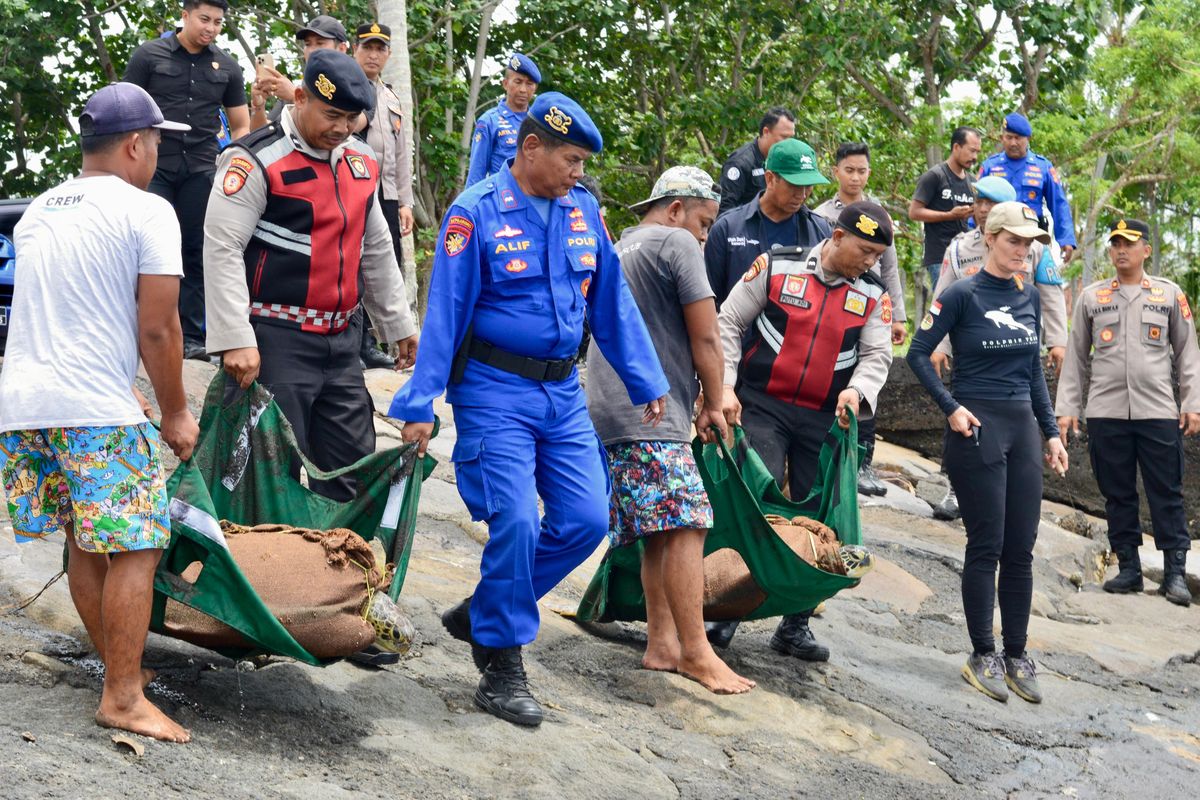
[(104, 483), (655, 487)]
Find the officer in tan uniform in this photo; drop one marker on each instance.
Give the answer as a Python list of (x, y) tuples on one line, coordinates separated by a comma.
[(1136, 328), (385, 133)]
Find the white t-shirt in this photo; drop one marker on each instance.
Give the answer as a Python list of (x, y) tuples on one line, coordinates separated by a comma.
[(72, 350)]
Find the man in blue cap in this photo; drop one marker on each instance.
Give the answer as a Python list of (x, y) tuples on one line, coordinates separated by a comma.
[(495, 139), (522, 259), (295, 242), (1034, 178)]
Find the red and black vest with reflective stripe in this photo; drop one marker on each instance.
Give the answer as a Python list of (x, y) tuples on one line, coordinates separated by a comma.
[(306, 248), (804, 345)]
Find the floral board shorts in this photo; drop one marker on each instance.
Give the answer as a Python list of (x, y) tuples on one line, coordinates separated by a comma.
[(655, 487), (105, 482)]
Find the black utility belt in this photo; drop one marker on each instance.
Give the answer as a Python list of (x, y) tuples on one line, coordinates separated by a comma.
[(535, 369)]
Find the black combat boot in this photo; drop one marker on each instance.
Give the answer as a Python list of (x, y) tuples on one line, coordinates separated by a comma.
[(793, 637), (1129, 579), (371, 356), (504, 690), (720, 634), (457, 621), (869, 483), (1174, 584)]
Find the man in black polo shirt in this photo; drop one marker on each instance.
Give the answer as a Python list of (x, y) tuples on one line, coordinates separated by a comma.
[(944, 199), (743, 174), (191, 79)]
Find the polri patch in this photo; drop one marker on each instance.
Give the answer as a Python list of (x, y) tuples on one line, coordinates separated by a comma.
[(756, 268), (587, 260), (856, 303), (358, 166), (579, 226), (885, 309), (1106, 335), (1184, 308), (458, 234), (792, 291), (235, 178), (516, 265)]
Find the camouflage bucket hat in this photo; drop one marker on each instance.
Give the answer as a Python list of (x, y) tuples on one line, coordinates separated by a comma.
[(681, 182)]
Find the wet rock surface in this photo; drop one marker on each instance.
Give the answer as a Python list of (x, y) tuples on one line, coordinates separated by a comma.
[(887, 717)]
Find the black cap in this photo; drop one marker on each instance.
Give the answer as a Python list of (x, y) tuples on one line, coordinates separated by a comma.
[(867, 220), (373, 30), (1128, 228), (335, 78), (326, 27)]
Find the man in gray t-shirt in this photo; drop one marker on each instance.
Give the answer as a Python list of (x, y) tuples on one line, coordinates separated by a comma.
[(657, 493)]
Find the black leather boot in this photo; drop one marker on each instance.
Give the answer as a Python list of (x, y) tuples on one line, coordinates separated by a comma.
[(1129, 579), (720, 634), (457, 622), (504, 690), (1174, 584), (793, 637), (868, 482), (370, 354)]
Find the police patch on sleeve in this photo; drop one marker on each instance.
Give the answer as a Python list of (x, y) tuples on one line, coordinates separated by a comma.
[(1184, 308), (733, 173), (758, 266), (235, 176), (458, 234), (927, 322), (885, 310)]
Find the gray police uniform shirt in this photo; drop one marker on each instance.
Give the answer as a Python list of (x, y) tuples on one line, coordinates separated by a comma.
[(664, 268), (1134, 335), (888, 265), (967, 254), (385, 134)]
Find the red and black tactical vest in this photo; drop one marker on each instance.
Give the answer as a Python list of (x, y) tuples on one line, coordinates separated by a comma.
[(303, 258), (804, 344)]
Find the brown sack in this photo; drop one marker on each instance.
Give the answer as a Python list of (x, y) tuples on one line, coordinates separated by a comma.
[(730, 591), (315, 582)]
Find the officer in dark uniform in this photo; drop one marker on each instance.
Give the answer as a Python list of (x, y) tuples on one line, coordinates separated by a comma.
[(295, 237), (522, 259), (1035, 179), (495, 140), (744, 174), (1142, 340)]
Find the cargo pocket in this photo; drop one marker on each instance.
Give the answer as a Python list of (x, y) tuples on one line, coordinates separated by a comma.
[(473, 484)]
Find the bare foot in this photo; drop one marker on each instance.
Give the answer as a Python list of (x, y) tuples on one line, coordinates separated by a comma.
[(714, 674), (148, 676), (662, 656), (145, 718)]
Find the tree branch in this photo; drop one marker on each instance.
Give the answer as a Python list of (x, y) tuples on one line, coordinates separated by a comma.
[(873, 90)]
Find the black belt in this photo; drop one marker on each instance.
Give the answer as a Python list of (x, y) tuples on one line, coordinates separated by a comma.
[(535, 369)]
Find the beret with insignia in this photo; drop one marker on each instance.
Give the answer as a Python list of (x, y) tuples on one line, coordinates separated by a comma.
[(866, 220), (336, 79), (565, 119), (524, 65), (1018, 124)]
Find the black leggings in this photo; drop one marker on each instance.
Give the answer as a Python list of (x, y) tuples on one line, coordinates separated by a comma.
[(999, 488)]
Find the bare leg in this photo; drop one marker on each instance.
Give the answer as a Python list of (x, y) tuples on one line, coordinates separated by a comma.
[(125, 616), (662, 646), (683, 581), (85, 576)]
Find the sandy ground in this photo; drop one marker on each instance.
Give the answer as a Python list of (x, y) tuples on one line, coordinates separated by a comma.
[(887, 717)]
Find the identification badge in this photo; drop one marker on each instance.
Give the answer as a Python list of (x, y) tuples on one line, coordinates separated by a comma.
[(792, 291), (358, 166)]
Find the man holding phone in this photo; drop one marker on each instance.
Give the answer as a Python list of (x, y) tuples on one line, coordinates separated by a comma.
[(322, 32), (944, 198)]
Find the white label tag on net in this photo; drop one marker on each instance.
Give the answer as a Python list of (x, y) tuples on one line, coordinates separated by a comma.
[(391, 512)]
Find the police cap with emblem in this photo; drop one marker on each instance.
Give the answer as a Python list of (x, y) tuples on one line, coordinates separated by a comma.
[(1128, 228), (867, 220), (373, 30), (326, 27), (336, 79), (1018, 124), (564, 119), (1016, 218), (524, 65)]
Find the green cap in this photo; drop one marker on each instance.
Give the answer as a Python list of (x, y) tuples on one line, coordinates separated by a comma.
[(795, 162)]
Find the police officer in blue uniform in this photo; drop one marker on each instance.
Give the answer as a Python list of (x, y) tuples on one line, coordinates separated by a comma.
[(522, 259), (1034, 178), (495, 140)]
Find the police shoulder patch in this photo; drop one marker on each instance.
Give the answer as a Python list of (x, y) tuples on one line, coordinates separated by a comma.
[(885, 309), (733, 173), (927, 322), (235, 176), (758, 266), (1184, 308), (458, 234)]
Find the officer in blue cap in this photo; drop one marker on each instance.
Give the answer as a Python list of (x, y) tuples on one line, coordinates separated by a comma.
[(495, 139), (1034, 178), (523, 258)]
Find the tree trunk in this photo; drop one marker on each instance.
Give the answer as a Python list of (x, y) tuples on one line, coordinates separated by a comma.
[(464, 143)]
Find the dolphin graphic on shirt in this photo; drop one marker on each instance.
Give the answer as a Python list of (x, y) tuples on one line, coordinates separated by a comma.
[(1003, 316)]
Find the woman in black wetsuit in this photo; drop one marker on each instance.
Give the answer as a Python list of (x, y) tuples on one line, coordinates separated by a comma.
[(996, 406)]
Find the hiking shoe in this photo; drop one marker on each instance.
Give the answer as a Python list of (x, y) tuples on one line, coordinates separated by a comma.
[(457, 622), (985, 671), (947, 510), (869, 483), (504, 690), (1021, 676), (720, 634), (793, 637)]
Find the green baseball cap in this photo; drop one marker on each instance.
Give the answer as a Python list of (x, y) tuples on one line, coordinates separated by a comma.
[(795, 162)]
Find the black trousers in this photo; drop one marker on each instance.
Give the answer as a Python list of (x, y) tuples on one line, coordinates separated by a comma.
[(999, 488), (1118, 449), (188, 193), (788, 438), (866, 438), (317, 382)]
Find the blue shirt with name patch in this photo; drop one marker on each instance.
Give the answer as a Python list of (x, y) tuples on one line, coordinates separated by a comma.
[(494, 141), (1037, 184)]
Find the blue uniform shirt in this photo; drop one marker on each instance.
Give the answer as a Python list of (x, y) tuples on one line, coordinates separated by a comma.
[(526, 287), (495, 141), (1038, 186)]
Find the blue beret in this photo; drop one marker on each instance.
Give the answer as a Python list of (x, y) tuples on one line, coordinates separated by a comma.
[(336, 79), (566, 120), (993, 187), (522, 64), (1018, 124)]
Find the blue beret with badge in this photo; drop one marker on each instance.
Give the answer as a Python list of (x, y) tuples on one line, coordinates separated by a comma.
[(1018, 124), (336, 79), (518, 62), (565, 119)]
